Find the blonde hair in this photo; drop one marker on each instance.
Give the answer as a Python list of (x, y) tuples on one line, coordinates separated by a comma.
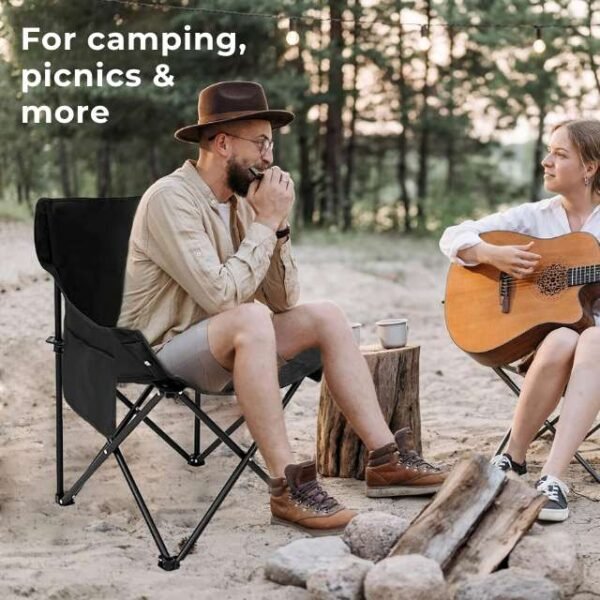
[(585, 136)]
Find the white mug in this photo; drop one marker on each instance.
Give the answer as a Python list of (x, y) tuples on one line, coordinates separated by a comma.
[(393, 333), (356, 332)]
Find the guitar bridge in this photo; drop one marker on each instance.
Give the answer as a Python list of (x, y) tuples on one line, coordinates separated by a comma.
[(505, 282)]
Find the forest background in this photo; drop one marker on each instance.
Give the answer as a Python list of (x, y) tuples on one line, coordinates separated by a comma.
[(410, 115)]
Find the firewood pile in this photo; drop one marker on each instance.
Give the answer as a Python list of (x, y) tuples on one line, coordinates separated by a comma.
[(475, 540)]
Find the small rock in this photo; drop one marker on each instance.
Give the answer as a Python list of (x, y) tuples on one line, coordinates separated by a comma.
[(341, 581), (508, 584), (295, 563), (371, 535), (551, 553), (408, 577)]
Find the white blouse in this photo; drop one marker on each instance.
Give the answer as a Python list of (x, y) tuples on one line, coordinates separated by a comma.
[(543, 219)]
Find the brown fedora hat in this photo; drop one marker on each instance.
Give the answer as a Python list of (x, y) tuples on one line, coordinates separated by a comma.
[(229, 101)]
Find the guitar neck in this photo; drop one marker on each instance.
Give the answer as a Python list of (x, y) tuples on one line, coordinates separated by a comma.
[(583, 275)]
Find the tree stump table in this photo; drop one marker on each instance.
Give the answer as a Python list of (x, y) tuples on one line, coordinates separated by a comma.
[(340, 453)]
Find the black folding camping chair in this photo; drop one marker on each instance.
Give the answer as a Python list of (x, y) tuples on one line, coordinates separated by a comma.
[(83, 244), (549, 424)]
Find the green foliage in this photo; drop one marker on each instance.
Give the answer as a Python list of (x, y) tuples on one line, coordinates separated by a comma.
[(492, 78)]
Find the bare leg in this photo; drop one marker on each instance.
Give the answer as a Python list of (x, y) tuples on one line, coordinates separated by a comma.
[(243, 340), (324, 326), (542, 389), (580, 405)]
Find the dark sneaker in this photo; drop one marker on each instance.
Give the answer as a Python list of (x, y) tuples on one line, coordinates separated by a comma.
[(556, 507), (397, 470), (505, 462), (299, 501)]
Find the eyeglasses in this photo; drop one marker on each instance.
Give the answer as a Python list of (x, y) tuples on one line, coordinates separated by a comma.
[(264, 143)]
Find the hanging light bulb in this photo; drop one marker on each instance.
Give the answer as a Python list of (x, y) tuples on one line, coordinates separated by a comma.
[(292, 37), (424, 42), (539, 45)]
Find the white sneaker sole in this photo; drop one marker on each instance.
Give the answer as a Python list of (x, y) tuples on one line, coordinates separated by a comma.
[(553, 515), (401, 490)]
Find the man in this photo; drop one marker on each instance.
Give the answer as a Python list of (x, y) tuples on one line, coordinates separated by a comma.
[(207, 241)]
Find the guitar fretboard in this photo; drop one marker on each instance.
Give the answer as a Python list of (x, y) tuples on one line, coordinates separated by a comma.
[(583, 275)]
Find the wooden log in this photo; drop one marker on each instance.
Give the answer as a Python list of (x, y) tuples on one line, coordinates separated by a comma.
[(511, 515), (340, 453), (445, 523)]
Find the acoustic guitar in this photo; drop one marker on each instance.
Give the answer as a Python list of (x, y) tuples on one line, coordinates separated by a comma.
[(498, 319)]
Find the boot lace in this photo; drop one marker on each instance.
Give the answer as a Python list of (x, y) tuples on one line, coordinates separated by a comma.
[(552, 488), (412, 460), (312, 495)]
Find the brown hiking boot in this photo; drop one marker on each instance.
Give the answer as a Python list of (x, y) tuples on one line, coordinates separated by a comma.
[(397, 470), (299, 501)]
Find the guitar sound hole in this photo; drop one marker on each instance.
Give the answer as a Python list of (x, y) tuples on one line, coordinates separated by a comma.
[(552, 280)]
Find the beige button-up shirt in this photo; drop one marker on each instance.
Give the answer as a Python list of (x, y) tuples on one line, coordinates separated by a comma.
[(185, 264)]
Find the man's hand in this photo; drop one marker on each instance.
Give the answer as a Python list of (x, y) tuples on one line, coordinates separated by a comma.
[(272, 197), (517, 261)]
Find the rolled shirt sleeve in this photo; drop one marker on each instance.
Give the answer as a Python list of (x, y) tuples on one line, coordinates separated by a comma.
[(466, 235), (280, 289)]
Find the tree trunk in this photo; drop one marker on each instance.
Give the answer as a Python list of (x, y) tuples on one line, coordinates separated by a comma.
[(334, 125), (153, 162), (537, 175), (593, 67), (63, 165), (351, 147), (424, 141), (103, 181), (402, 146), (450, 132), (75, 172), (305, 204)]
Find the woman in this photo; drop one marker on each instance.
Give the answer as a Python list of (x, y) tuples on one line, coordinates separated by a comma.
[(565, 359)]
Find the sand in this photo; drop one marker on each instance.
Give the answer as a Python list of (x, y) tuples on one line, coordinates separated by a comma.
[(101, 548)]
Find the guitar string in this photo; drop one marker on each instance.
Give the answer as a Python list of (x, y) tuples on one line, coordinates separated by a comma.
[(593, 270)]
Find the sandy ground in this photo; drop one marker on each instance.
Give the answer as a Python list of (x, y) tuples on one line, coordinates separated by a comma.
[(100, 547)]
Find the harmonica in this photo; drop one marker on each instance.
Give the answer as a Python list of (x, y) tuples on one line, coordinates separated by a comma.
[(256, 173)]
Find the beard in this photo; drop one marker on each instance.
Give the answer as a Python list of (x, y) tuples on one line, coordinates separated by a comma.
[(239, 177)]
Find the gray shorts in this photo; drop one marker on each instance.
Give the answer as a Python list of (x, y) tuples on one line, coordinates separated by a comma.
[(187, 355)]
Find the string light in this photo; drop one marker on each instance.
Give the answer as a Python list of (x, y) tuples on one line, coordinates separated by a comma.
[(539, 45), (292, 37), (366, 21)]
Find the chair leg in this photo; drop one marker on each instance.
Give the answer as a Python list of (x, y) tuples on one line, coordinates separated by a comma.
[(222, 435), (245, 462), (196, 459), (548, 426), (503, 443), (110, 446), (164, 553), (152, 425), (58, 345), (582, 461), (240, 421)]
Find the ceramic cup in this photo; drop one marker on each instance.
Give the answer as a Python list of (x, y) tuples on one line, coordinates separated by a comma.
[(393, 333), (356, 332)]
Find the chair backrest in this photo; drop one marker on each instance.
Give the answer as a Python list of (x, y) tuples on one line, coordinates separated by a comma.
[(83, 243)]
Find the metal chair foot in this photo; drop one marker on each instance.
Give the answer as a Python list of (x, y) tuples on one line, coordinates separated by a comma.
[(59, 500), (195, 460), (168, 563)]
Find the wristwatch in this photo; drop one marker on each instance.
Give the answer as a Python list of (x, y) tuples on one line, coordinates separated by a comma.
[(283, 233)]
